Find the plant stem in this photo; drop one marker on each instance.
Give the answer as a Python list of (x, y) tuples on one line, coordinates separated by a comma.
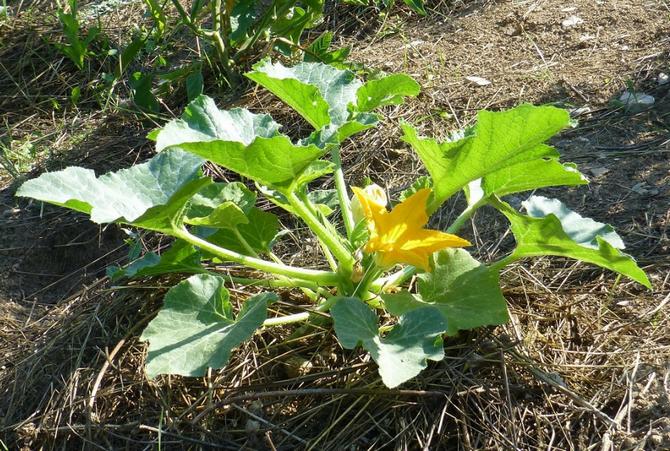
[(394, 279), (500, 264), (466, 214), (333, 241), (342, 194), (312, 275), (298, 317)]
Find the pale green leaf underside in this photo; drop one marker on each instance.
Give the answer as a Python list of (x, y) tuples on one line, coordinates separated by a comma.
[(581, 230), (202, 121), (499, 139), (246, 143), (195, 330), (124, 195), (221, 205), (318, 92), (466, 292), (404, 352), (537, 236)]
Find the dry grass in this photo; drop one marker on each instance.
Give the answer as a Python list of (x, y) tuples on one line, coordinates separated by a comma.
[(583, 364)]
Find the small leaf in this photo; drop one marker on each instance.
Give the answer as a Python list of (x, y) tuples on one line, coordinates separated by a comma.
[(194, 85), (122, 196), (195, 330), (259, 232), (499, 140), (221, 205), (420, 183), (143, 97), (325, 200), (390, 90), (466, 292), (404, 352), (180, 258), (546, 235)]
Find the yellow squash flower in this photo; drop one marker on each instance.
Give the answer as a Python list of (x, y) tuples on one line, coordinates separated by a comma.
[(398, 236)]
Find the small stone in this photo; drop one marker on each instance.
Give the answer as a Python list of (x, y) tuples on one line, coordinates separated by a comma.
[(479, 81), (597, 172), (663, 79), (634, 102), (571, 21)]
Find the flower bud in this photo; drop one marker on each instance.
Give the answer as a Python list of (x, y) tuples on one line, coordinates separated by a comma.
[(375, 194)]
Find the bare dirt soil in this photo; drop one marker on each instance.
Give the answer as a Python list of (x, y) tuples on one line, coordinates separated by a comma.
[(582, 365)]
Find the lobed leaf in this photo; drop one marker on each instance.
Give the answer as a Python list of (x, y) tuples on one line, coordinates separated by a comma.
[(499, 140), (555, 230), (318, 92), (203, 121), (127, 195), (195, 330), (466, 292), (404, 352), (238, 140)]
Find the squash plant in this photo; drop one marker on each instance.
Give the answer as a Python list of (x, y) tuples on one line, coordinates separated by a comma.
[(369, 251)]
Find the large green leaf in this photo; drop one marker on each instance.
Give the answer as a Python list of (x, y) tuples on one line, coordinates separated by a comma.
[(404, 351), (196, 330), (466, 292), (126, 195), (499, 140), (333, 101), (555, 230), (241, 141)]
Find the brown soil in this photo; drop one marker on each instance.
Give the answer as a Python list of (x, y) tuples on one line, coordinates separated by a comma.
[(582, 365)]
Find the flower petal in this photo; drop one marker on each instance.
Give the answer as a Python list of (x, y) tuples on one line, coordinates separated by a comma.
[(411, 211)]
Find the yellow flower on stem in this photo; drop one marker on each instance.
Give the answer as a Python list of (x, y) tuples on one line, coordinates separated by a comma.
[(398, 236)]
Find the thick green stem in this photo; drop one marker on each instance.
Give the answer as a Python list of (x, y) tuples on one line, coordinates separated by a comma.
[(333, 241), (312, 275), (466, 214), (326, 251), (505, 261), (393, 280), (342, 194), (298, 317)]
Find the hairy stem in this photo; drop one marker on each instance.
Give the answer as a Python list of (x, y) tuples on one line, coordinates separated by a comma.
[(312, 275), (333, 241), (342, 194), (466, 214)]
